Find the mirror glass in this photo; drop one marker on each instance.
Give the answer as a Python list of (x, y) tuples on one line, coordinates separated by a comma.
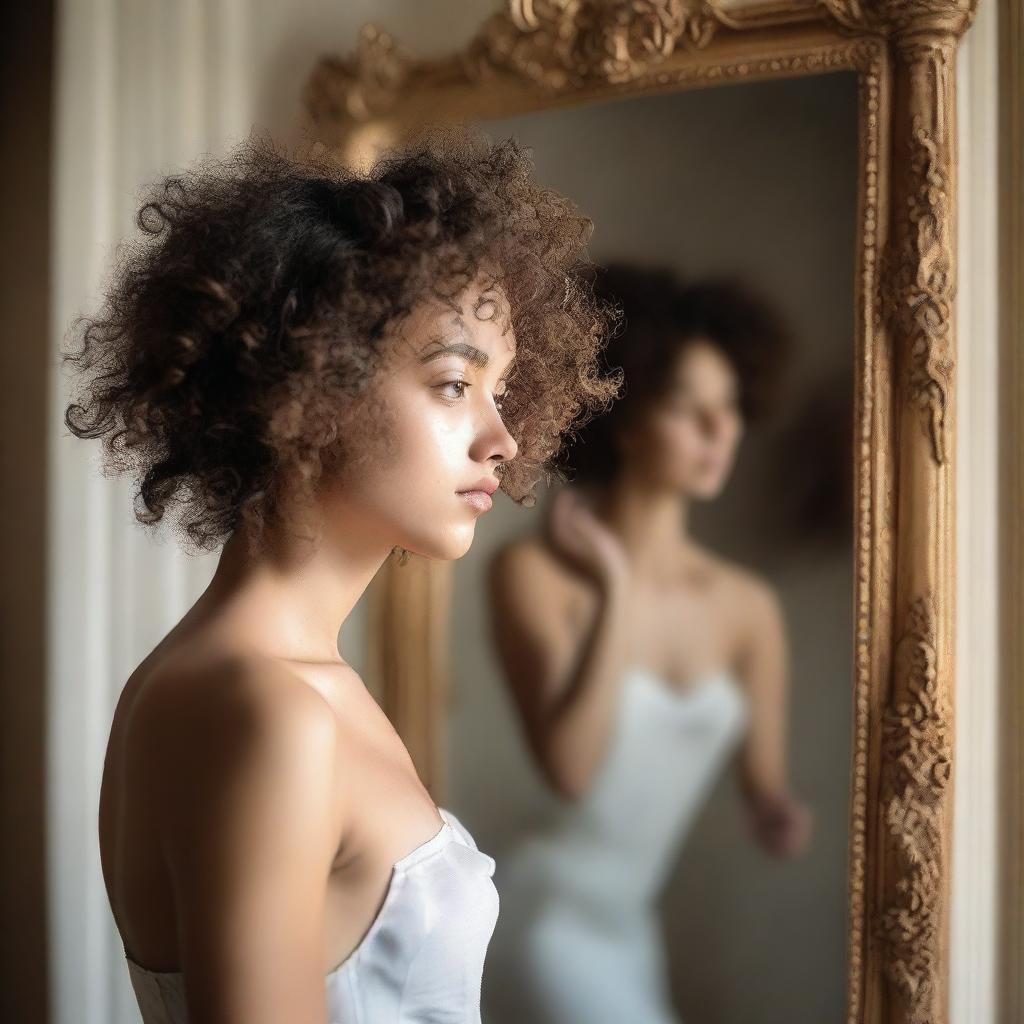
[(675, 847)]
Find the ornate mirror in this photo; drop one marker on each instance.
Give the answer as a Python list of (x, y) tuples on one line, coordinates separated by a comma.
[(801, 154)]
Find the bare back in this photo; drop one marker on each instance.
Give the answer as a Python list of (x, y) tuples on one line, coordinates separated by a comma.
[(174, 727)]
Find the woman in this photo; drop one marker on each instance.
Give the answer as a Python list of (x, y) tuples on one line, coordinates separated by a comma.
[(638, 662), (314, 368)]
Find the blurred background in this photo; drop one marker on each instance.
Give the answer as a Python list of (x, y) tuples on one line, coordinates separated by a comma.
[(102, 96), (756, 183)]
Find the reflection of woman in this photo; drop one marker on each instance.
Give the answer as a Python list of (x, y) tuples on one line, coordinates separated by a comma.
[(311, 367), (638, 662)]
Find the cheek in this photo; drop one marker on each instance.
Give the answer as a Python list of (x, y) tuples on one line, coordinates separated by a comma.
[(399, 484), (423, 459), (676, 437), (429, 440)]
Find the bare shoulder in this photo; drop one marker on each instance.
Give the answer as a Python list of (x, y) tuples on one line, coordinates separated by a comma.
[(751, 598), (242, 752), (528, 565), (236, 684), (522, 554), (531, 585), (197, 713)]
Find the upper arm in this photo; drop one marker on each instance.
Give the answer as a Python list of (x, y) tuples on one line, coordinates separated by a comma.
[(530, 628), (250, 837), (765, 673), (764, 651)]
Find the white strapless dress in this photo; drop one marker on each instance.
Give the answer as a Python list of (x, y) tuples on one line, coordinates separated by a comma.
[(421, 960), (579, 941)]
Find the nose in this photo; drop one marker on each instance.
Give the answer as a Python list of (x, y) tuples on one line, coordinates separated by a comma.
[(713, 424), (493, 441)]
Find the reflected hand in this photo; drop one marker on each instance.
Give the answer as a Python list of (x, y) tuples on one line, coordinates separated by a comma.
[(781, 824), (584, 539)]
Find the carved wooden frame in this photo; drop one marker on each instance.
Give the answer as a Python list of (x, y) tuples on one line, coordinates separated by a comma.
[(541, 54)]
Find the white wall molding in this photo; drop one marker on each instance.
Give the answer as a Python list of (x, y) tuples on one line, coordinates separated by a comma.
[(141, 87), (976, 785)]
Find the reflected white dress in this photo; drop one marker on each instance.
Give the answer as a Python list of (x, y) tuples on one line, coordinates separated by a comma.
[(579, 941), (421, 960)]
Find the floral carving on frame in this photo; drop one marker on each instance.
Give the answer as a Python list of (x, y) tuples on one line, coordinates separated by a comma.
[(561, 44)]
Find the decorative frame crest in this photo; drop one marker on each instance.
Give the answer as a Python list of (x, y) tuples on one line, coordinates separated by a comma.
[(541, 54)]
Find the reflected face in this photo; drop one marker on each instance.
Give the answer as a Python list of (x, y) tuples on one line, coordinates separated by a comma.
[(423, 481), (687, 440)]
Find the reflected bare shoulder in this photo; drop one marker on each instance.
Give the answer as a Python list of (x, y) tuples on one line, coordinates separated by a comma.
[(529, 566)]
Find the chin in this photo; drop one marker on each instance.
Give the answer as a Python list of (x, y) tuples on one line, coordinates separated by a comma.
[(443, 548), (696, 488), (708, 492)]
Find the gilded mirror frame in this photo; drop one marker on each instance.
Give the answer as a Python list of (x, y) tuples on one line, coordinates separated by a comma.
[(538, 55)]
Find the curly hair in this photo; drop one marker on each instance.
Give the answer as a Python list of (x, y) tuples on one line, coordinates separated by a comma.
[(241, 333), (661, 316)]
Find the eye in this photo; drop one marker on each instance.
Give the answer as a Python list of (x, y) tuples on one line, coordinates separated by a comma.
[(680, 405), (485, 309), (461, 385)]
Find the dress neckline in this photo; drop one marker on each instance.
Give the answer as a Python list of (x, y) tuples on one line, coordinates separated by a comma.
[(437, 841), (700, 686)]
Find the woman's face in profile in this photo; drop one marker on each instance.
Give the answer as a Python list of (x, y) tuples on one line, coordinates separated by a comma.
[(687, 439), (438, 431)]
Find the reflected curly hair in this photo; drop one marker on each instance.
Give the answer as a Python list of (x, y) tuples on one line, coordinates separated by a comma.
[(662, 315), (229, 367)]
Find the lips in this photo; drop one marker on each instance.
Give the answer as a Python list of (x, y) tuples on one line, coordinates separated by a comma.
[(480, 500), (479, 494), (487, 484)]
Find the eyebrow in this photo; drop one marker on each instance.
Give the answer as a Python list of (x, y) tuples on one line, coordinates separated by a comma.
[(459, 348)]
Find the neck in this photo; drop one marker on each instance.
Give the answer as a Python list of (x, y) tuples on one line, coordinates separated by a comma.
[(649, 521), (287, 602)]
